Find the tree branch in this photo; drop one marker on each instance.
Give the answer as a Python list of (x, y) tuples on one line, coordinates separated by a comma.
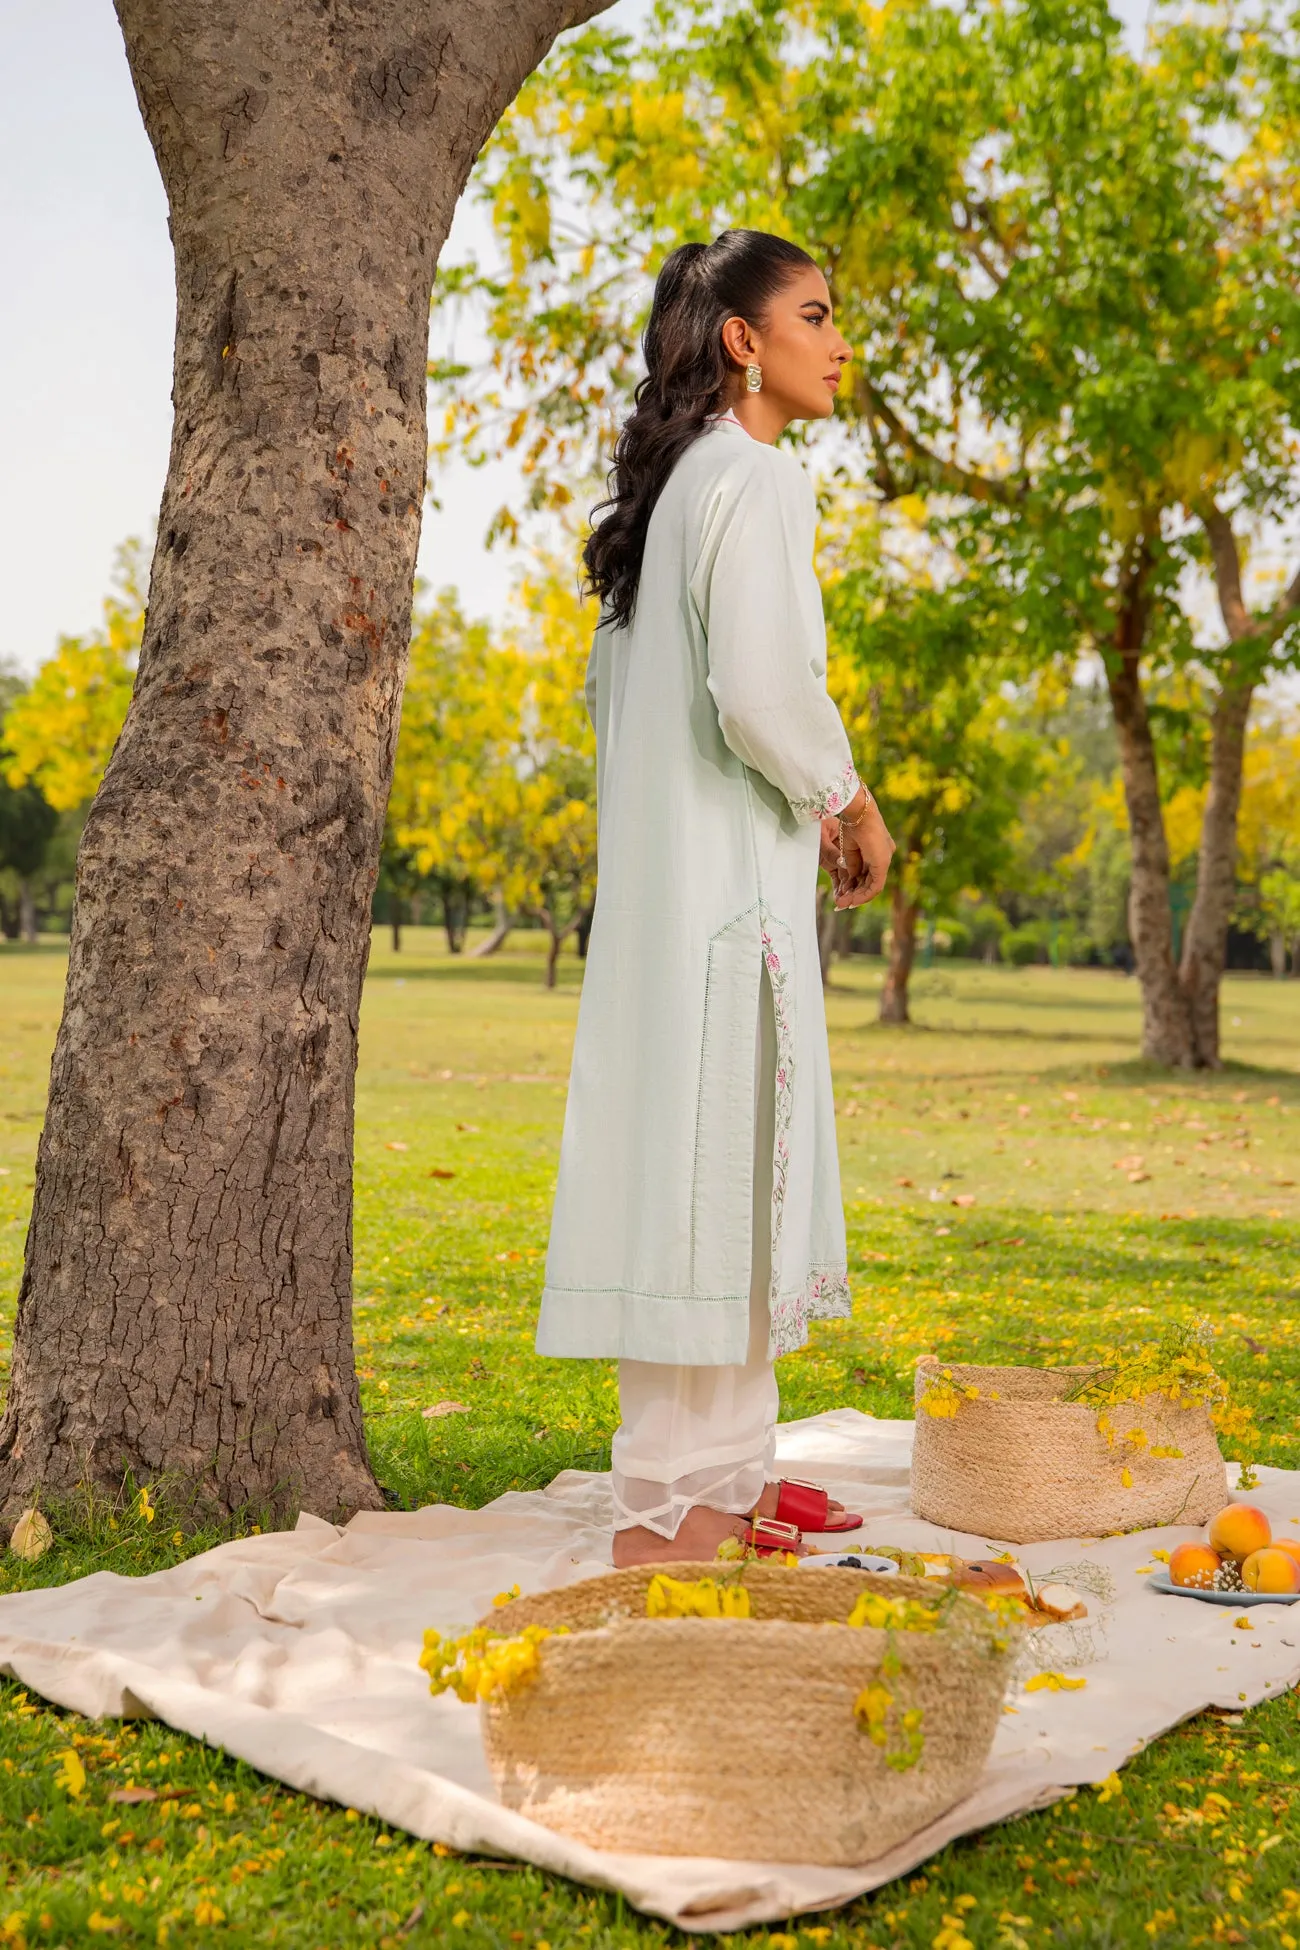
[(1237, 618), (927, 466), (971, 239), (578, 11)]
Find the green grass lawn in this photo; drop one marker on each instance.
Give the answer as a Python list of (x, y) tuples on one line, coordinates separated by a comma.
[(1100, 1201)]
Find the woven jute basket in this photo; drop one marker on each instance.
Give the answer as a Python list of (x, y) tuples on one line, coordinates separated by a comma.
[(1031, 1467), (736, 1737)]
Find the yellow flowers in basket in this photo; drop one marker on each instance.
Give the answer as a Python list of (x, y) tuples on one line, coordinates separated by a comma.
[(483, 1662)]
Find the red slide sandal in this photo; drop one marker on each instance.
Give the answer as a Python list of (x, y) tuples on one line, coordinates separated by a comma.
[(808, 1507), (771, 1537)]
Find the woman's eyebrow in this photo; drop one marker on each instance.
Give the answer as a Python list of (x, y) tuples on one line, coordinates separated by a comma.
[(817, 305)]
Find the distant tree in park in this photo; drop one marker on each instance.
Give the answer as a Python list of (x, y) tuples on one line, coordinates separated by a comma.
[(924, 682), (1270, 838), (185, 1308), (495, 775), (1069, 276), (27, 825), (60, 732)]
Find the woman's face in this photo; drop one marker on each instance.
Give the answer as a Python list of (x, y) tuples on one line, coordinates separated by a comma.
[(798, 346)]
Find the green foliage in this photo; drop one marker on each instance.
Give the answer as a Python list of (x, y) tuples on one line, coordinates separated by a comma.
[(1066, 272), (924, 684)]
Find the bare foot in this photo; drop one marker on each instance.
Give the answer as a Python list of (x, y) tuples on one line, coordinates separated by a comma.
[(698, 1535), (766, 1505)]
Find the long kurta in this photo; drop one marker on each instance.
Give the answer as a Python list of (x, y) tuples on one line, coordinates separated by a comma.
[(718, 751)]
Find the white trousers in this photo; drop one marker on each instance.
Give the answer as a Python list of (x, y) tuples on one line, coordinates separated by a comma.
[(691, 1436)]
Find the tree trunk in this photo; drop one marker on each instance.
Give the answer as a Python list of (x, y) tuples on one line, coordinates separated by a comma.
[(1206, 940), (185, 1306), (455, 915), (585, 920), (500, 929), (553, 955), (903, 914), (1166, 1032), (395, 921), (1277, 956), (26, 912)]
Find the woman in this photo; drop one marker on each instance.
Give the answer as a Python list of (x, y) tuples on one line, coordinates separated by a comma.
[(698, 1224)]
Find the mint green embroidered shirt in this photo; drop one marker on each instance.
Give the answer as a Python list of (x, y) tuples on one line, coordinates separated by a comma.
[(718, 750)]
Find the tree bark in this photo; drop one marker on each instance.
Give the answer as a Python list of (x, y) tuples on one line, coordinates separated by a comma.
[(1206, 938), (903, 914), (27, 930), (185, 1307), (1166, 1032)]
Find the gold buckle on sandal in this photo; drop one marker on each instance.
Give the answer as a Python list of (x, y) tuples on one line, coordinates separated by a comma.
[(771, 1530)]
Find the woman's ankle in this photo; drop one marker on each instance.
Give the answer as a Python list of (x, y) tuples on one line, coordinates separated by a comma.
[(698, 1535)]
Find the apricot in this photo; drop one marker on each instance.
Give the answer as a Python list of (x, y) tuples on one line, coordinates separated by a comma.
[(1271, 1570), (1195, 1566), (1291, 1545), (1239, 1530)]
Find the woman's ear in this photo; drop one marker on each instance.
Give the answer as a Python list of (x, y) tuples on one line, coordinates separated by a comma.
[(738, 341)]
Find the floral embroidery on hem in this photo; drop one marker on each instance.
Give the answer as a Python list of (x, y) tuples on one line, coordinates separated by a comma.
[(778, 978), (823, 805), (825, 1297)]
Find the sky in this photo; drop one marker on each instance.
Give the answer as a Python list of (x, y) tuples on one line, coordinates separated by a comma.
[(86, 317)]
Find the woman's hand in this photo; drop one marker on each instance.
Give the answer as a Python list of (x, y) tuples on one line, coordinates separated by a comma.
[(866, 850)]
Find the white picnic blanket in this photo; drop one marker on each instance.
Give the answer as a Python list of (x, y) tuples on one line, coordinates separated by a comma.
[(297, 1652)]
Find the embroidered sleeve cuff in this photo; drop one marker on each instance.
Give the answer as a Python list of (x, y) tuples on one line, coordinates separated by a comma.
[(823, 805)]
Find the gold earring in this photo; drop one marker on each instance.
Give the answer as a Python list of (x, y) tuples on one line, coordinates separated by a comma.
[(753, 378)]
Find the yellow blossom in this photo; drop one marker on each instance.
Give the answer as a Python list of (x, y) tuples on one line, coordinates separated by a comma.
[(71, 1776), (1053, 1682), (674, 1598)]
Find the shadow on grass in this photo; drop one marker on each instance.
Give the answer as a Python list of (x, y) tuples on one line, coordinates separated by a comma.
[(519, 974), (452, 1460)]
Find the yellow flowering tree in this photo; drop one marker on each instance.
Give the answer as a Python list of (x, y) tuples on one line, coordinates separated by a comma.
[(1269, 862), (60, 732), (495, 777)]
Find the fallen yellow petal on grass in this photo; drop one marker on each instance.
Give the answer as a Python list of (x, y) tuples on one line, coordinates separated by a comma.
[(71, 1776)]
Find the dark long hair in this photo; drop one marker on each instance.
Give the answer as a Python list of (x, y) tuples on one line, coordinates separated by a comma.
[(698, 288)]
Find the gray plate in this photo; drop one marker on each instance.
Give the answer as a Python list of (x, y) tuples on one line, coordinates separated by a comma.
[(1161, 1582)]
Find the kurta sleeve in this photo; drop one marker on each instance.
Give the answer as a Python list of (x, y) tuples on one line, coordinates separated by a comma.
[(757, 595)]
